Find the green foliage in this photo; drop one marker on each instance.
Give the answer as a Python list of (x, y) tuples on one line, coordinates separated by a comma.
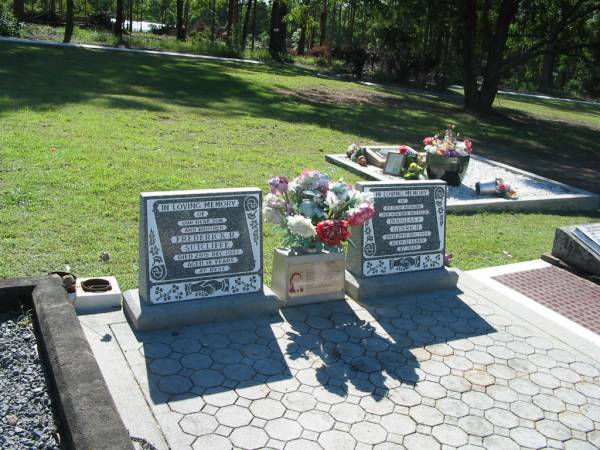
[(9, 26)]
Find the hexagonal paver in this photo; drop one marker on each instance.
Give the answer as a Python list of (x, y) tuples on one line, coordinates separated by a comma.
[(449, 435), (479, 357), (174, 384), (426, 415), (564, 374), (420, 441), (588, 389), (302, 444), (522, 365), (207, 378), (477, 400), (186, 346), (435, 368), (198, 424), (196, 361), (431, 390), (585, 369), (215, 341), (549, 403), (578, 444), (527, 437), (186, 404), (553, 429), (156, 350), (576, 421), (316, 420), (496, 442), (526, 410), (220, 397), (311, 377), (452, 407), (398, 424), (570, 396), (479, 377), (249, 437), (239, 372), (542, 360), (500, 352), (299, 401), (545, 380), (347, 413), (404, 396), (476, 426), (501, 371), (368, 433), (524, 386), (380, 407), (336, 440), (502, 418), (502, 394), (455, 383), (458, 362), (226, 356), (165, 366), (591, 411), (234, 416), (213, 442), (267, 409), (243, 336), (283, 429)]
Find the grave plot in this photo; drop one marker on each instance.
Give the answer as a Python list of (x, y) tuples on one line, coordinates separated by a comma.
[(536, 193)]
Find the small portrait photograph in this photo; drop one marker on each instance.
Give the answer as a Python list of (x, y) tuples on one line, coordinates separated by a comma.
[(295, 283), (394, 164)]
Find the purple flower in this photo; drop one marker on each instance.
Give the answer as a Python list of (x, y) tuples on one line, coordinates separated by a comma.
[(279, 185)]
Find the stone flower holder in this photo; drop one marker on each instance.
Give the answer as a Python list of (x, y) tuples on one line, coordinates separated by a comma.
[(450, 169), (299, 279)]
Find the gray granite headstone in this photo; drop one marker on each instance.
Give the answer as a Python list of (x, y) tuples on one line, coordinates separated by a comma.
[(406, 235), (200, 253), (579, 247)]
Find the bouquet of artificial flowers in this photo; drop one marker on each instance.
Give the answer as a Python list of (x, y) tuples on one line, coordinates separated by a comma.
[(315, 212), (448, 145)]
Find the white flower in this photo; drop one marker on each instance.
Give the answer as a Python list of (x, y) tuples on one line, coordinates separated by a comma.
[(273, 201), (301, 226)]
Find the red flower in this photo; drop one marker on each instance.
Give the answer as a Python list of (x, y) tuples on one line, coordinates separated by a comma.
[(403, 149), (468, 145), (428, 141), (333, 232)]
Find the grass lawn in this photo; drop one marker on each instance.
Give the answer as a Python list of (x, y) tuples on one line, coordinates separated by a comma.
[(84, 132)]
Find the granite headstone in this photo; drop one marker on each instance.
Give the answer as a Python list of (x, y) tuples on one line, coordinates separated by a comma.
[(406, 235), (200, 247), (579, 247)]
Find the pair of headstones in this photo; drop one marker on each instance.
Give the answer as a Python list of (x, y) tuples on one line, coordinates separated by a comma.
[(201, 253)]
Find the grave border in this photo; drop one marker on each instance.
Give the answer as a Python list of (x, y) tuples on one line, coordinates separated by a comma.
[(87, 413)]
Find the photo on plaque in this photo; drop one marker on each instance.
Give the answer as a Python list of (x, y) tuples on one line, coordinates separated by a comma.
[(394, 164)]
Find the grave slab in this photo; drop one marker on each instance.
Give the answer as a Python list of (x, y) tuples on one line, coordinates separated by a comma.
[(536, 193)]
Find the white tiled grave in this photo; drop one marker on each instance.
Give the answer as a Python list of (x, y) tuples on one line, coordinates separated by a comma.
[(435, 371), (536, 193)]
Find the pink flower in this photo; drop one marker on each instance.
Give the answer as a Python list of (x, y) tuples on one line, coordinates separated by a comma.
[(358, 216), (404, 149), (279, 185), (428, 140), (468, 145)]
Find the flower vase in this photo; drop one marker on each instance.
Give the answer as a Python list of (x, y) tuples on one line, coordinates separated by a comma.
[(302, 276), (450, 169)]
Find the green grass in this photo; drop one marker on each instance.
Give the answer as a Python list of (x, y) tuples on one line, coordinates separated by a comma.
[(84, 132)]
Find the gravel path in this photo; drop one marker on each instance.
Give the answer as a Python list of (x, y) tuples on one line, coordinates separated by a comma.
[(26, 420)]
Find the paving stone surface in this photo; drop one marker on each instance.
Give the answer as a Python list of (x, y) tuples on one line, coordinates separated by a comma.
[(441, 371)]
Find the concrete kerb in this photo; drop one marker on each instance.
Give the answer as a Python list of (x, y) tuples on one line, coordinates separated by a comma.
[(88, 416), (128, 50)]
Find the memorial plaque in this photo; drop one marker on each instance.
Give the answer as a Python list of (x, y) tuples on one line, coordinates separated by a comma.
[(407, 232), (200, 244)]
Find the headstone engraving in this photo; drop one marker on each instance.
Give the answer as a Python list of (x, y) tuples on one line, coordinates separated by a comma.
[(406, 235), (200, 259), (200, 244), (579, 247)]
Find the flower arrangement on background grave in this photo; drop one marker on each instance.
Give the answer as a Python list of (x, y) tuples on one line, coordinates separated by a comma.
[(506, 190), (357, 154), (415, 164), (315, 213), (448, 145)]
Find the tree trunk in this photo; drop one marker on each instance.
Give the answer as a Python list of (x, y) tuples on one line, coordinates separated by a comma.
[(302, 40), (52, 11), (469, 35), (351, 24), (118, 25), (230, 19), (19, 9), (245, 26), (69, 22), (253, 24), (323, 25), (180, 24), (213, 6), (546, 81), (278, 30), (131, 16)]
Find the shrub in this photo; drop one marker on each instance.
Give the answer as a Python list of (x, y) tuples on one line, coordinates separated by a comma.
[(9, 26)]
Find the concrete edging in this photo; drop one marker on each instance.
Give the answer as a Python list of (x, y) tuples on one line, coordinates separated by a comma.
[(88, 415)]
